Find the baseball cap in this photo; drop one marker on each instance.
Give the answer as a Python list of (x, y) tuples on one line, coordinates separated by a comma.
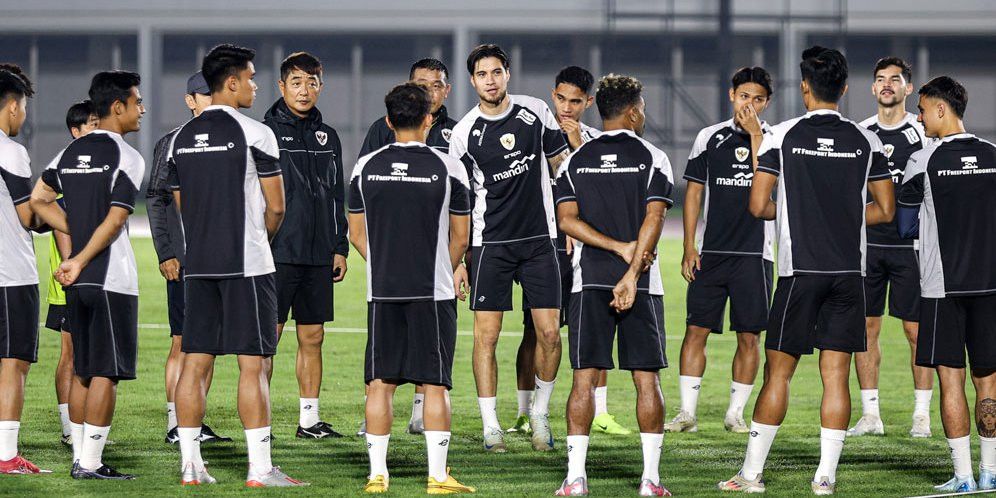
[(197, 84)]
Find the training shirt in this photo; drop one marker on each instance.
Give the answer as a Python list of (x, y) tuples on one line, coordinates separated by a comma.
[(721, 162), (440, 133), (899, 142), (17, 251), (95, 172), (612, 178), (406, 192), (506, 161), (825, 163), (953, 183), (216, 161)]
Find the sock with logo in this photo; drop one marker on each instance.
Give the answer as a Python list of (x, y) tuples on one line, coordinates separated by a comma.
[(377, 451), (758, 446), (739, 394), (258, 444), (652, 444), (417, 403), (64, 418), (489, 414), (94, 439), (577, 454), (831, 444), (437, 445), (689, 389), (601, 400), (308, 415), (541, 400), (961, 456), (869, 403), (190, 447)]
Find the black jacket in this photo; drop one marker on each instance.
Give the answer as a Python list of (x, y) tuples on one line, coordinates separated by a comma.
[(380, 135), (164, 220), (314, 227)]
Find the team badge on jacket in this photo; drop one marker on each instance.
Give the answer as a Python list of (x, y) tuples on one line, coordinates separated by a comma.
[(741, 153), (447, 133), (322, 137)]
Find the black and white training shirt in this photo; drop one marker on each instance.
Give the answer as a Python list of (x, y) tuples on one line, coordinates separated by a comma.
[(612, 178), (17, 251), (216, 161), (95, 172), (407, 191), (506, 161), (953, 184), (721, 162), (825, 163), (899, 142)]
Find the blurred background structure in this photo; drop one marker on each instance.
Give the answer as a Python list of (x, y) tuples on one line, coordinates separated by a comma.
[(683, 50)]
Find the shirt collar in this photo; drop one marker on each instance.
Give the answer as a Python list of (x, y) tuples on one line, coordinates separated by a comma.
[(823, 112), (957, 136), (620, 131)]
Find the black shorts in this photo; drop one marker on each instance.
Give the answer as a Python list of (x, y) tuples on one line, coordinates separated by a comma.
[(231, 316), (593, 325), (105, 332), (411, 342), (19, 322), (306, 289), (952, 325), (899, 269), (494, 267), (745, 280), (175, 304), (566, 281), (56, 318), (817, 311)]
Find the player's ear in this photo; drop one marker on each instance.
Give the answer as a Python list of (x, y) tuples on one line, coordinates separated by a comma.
[(189, 100), (591, 100), (387, 120), (844, 92), (732, 95)]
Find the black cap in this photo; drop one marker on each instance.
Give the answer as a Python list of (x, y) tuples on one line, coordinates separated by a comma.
[(197, 84)]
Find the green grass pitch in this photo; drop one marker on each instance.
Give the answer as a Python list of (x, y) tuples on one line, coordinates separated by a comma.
[(892, 465)]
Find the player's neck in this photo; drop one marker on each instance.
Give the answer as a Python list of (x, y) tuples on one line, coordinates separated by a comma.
[(823, 106), (110, 125), (616, 124), (224, 98), (405, 136), (5, 126), (891, 116), (955, 127), (495, 109)]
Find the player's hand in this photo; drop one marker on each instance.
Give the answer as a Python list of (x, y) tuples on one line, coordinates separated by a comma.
[(748, 120), (170, 269), (624, 293), (690, 263), (338, 268), (572, 129), (627, 252), (569, 244), (461, 282), (69, 271)]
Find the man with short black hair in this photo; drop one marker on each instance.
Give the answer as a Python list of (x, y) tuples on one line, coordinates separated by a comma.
[(18, 273), (226, 164), (824, 166), (891, 261), (98, 176), (409, 191), (311, 247), (731, 256), (167, 238), (612, 196), (946, 200), (509, 143)]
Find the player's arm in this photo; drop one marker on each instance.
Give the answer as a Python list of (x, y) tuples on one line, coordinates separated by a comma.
[(650, 233), (570, 223), (358, 232), (910, 198), (273, 194), (883, 207), (690, 261), (158, 200), (761, 206), (341, 249), (558, 159), (748, 120), (102, 237), (63, 243), (43, 205), (459, 238)]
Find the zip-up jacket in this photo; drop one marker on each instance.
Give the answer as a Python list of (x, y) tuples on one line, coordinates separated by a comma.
[(314, 227), (164, 220)]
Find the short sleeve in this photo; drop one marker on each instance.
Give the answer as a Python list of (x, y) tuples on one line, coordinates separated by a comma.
[(769, 154), (123, 193), (697, 169), (459, 185), (879, 169), (563, 188), (553, 137), (131, 170), (172, 176), (458, 150), (265, 153), (16, 173), (912, 191), (51, 174), (355, 201), (660, 184)]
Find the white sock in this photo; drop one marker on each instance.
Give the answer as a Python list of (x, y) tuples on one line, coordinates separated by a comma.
[(987, 455), (921, 401), (689, 389), (64, 418), (601, 400), (417, 403), (739, 394), (437, 445), (190, 447), (525, 399), (758, 446), (489, 414), (577, 454), (171, 416), (94, 439), (869, 403), (541, 401), (76, 431), (377, 450), (961, 456), (831, 444), (652, 446), (308, 415), (8, 439), (258, 444)]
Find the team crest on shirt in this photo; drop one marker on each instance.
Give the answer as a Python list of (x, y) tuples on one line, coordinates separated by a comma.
[(507, 141), (447, 133), (201, 140), (969, 162), (83, 162), (322, 137), (888, 149), (741, 153)]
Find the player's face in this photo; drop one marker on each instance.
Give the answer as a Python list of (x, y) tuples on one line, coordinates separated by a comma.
[(890, 88), (300, 91), (749, 94), (245, 89), (570, 102), (639, 117), (490, 79), (197, 103), (132, 111), (435, 82), (18, 116), (930, 112)]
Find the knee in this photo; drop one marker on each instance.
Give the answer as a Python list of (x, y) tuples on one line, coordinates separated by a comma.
[(748, 342), (548, 337), (311, 341), (486, 339), (695, 337), (646, 382)]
